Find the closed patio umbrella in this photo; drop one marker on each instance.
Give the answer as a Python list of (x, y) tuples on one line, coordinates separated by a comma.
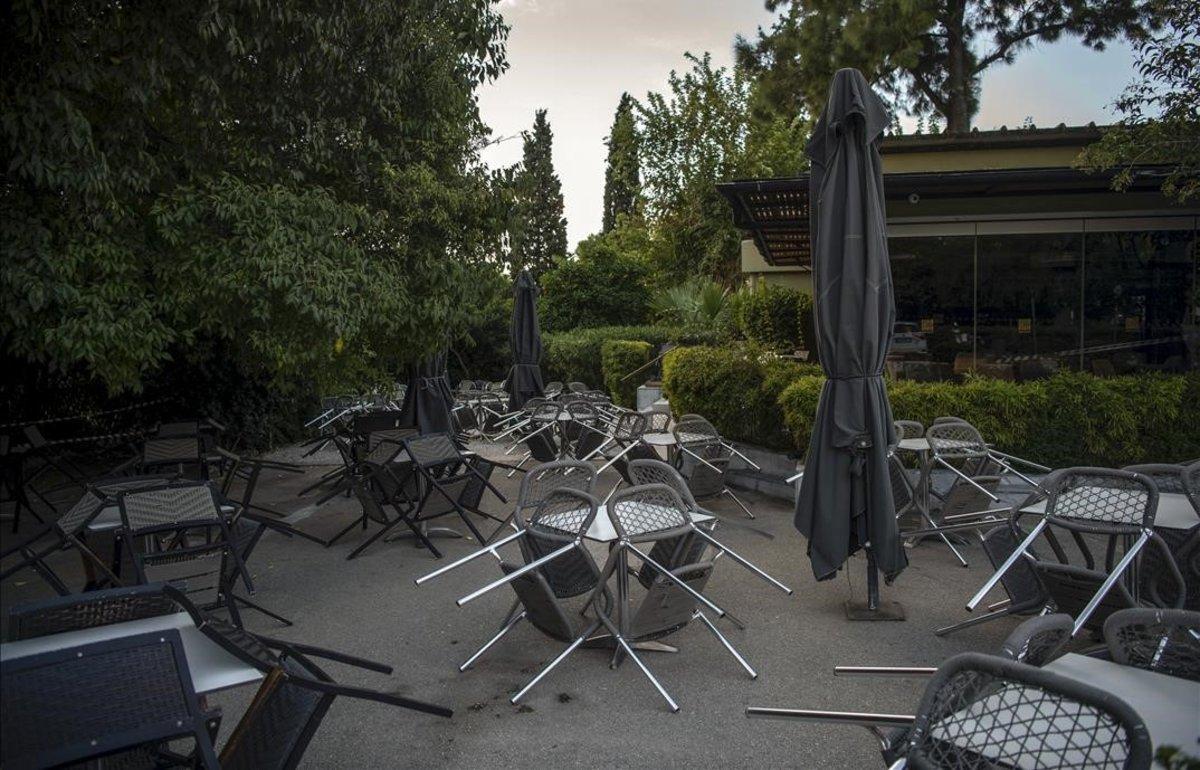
[(845, 498), (525, 338), (428, 399)]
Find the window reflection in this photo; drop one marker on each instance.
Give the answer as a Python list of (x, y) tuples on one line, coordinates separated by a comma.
[(1140, 302), (933, 278), (1028, 303)]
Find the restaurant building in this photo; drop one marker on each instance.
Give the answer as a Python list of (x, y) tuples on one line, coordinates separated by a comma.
[(1007, 260)]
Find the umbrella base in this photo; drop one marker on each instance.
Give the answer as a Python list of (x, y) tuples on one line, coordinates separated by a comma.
[(885, 611)]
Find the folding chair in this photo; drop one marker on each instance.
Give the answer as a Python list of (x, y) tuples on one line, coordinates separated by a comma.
[(909, 429), (1183, 543), (952, 441), (132, 693), (1035, 642), (69, 532), (446, 474), (1166, 641), (703, 459), (556, 566), (1024, 589), (544, 478), (178, 534), (640, 515), (625, 433), (1118, 507), (983, 711)]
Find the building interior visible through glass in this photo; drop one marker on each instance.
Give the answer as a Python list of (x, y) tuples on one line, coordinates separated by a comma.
[(1006, 260)]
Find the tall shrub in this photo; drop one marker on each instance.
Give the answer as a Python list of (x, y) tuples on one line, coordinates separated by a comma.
[(619, 359)]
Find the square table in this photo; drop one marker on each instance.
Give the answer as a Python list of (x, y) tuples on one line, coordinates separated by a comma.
[(212, 667)]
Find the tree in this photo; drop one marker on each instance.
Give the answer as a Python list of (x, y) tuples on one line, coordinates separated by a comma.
[(1160, 121), (291, 184), (605, 284), (539, 235), (695, 134), (622, 174), (927, 55)]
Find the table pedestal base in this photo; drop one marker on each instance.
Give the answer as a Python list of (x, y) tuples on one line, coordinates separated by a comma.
[(885, 611)]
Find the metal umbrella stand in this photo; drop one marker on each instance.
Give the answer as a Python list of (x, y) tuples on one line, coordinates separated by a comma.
[(845, 499), (525, 338)]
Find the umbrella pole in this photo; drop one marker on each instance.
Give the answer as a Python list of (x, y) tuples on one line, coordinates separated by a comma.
[(874, 608)]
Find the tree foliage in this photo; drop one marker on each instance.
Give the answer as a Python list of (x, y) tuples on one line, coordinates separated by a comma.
[(295, 181), (928, 55), (695, 134), (604, 285), (1160, 112), (622, 172), (539, 230)]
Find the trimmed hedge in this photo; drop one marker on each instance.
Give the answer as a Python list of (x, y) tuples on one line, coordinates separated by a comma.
[(619, 358), (1069, 419), (776, 317), (575, 355), (737, 388)]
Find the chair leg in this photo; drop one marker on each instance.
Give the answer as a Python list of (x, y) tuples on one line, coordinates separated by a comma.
[(561, 657), (510, 623), (344, 532), (974, 621), (661, 691), (736, 499), (728, 645), (253, 606), (386, 528)]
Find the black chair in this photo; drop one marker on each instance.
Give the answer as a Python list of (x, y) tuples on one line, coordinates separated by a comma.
[(1024, 589), (82, 703), (984, 711), (1097, 507), (449, 481), (703, 459), (1166, 641), (179, 534), (556, 566), (1184, 544)]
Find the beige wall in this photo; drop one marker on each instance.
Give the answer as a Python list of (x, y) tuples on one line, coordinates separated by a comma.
[(756, 269), (979, 160)]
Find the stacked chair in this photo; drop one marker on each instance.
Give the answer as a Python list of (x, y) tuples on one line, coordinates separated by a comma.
[(703, 459)]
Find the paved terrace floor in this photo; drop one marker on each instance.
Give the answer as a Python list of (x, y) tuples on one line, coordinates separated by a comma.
[(584, 714)]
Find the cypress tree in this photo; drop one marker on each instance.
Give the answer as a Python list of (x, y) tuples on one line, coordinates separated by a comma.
[(622, 175), (539, 231)]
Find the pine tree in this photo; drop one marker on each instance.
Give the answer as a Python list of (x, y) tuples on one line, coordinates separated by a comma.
[(538, 235), (622, 175), (929, 56)]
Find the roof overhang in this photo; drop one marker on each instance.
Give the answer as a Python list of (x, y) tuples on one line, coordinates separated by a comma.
[(774, 212)]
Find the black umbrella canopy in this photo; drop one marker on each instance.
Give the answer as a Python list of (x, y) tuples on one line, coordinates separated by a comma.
[(845, 499), (428, 399), (525, 338)]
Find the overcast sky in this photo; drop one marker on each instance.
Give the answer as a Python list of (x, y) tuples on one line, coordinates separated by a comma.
[(575, 57)]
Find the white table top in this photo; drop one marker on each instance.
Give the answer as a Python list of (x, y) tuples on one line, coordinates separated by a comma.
[(1169, 705), (603, 531), (211, 666), (659, 439), (913, 445), (1166, 704), (1174, 511), (109, 518)]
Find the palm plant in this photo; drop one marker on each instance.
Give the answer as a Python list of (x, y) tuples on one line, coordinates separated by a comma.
[(697, 302)]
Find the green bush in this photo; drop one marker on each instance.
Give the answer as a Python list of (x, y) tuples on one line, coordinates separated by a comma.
[(776, 317), (601, 286), (735, 387), (1069, 419), (620, 358), (575, 355)]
